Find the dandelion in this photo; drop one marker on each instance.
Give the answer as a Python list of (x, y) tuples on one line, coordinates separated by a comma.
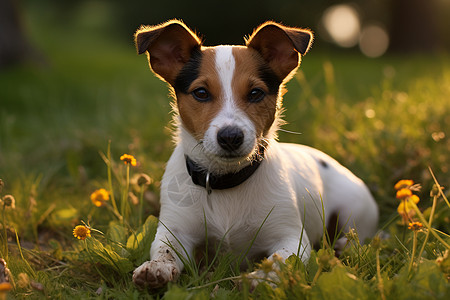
[(403, 194), (404, 184), (143, 179), (415, 226), (9, 201), (407, 205), (5, 287), (128, 159), (81, 232), (99, 197), (406, 208)]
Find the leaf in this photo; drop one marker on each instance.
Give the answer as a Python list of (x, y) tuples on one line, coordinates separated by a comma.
[(139, 244), (178, 293), (426, 282), (312, 266), (107, 256), (296, 263), (339, 284), (117, 233)]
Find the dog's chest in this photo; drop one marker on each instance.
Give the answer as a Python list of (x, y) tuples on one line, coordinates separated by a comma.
[(234, 218)]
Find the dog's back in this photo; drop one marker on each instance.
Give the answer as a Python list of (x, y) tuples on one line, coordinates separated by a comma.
[(319, 179)]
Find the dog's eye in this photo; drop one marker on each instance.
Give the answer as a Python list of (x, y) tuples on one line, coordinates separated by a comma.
[(256, 95), (201, 94)]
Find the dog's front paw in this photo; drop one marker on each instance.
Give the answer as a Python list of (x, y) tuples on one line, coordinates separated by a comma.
[(259, 276), (155, 273)]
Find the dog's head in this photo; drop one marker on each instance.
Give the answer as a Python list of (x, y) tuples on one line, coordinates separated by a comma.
[(228, 97)]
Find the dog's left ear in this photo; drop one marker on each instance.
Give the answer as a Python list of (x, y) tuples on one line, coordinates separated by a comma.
[(280, 46)]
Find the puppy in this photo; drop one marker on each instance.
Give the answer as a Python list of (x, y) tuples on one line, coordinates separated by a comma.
[(228, 169)]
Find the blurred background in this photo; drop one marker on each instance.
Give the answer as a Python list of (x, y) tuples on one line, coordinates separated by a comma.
[(373, 27), (373, 91)]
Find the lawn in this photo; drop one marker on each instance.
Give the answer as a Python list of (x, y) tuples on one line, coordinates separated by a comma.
[(65, 123)]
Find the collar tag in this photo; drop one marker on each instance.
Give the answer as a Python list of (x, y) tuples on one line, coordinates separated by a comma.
[(207, 184)]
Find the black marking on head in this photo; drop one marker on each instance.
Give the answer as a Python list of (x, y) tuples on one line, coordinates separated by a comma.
[(270, 79), (189, 72), (323, 163)]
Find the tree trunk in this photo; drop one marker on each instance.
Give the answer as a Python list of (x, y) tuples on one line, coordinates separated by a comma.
[(14, 46)]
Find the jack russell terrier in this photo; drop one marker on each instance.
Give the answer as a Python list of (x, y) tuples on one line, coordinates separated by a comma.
[(227, 169)]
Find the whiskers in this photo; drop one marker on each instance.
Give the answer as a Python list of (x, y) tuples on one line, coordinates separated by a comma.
[(262, 145), (199, 144), (291, 132)]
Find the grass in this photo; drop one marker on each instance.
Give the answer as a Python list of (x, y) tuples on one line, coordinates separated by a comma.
[(385, 119)]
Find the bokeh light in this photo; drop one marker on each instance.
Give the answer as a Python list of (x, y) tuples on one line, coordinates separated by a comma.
[(342, 24), (374, 41)]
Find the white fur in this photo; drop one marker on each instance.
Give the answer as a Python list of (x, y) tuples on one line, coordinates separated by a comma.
[(288, 191)]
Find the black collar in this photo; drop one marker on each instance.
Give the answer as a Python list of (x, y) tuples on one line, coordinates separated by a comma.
[(211, 182)]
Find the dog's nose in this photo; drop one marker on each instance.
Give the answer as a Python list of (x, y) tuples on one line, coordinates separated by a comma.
[(230, 138)]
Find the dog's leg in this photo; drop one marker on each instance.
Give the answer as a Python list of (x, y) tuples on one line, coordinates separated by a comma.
[(165, 264), (280, 253)]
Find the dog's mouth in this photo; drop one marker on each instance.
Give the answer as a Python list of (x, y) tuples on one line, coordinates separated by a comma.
[(227, 158), (232, 156), (235, 158)]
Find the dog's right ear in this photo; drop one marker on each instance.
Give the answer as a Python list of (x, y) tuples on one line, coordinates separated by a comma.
[(281, 46), (169, 46)]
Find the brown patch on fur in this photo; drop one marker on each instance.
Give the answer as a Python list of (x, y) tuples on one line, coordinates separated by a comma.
[(246, 77), (196, 115)]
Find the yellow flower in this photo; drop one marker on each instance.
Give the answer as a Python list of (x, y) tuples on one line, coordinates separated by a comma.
[(128, 159), (99, 197), (5, 287), (404, 183), (415, 226), (406, 208), (403, 194), (81, 232), (414, 198)]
